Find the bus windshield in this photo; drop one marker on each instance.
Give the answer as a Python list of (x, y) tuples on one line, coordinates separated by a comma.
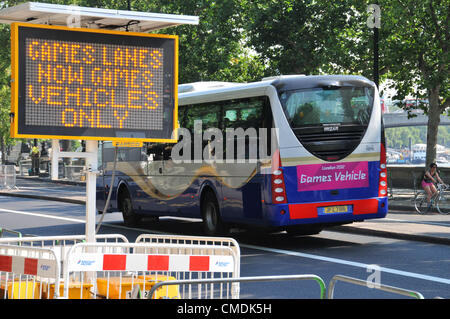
[(343, 105)]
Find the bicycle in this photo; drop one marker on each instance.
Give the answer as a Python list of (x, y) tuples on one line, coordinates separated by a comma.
[(440, 200)]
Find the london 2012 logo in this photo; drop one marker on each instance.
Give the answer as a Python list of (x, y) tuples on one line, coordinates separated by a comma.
[(84, 262), (222, 264), (332, 176)]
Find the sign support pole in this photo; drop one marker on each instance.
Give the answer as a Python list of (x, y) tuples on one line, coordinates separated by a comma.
[(91, 189), (91, 156), (54, 160)]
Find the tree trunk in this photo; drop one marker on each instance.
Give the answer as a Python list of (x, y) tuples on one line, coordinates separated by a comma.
[(2, 150), (434, 118)]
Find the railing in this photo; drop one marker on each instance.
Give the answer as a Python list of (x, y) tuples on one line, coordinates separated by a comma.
[(190, 283), (364, 283), (8, 176), (10, 232), (189, 268)]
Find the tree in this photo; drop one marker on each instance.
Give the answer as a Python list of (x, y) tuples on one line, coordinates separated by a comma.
[(212, 50), (314, 37), (5, 100), (417, 56), (296, 37)]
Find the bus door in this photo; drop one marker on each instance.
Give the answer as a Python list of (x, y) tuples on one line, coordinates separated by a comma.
[(105, 162), (155, 165), (156, 181), (100, 188)]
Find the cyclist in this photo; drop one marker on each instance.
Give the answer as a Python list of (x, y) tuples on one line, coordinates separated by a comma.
[(428, 181)]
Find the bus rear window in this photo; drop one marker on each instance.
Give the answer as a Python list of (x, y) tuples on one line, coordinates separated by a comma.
[(344, 105)]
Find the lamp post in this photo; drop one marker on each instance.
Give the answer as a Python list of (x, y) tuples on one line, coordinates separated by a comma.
[(374, 22)]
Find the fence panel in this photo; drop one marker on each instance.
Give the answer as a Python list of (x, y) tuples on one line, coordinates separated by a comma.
[(28, 272), (364, 283), (113, 268), (190, 240), (52, 241), (192, 284), (58, 246), (8, 176), (115, 271), (7, 233)]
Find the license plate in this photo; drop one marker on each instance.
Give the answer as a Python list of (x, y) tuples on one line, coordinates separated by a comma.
[(335, 209)]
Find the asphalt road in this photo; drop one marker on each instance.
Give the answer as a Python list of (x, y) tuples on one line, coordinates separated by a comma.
[(414, 265)]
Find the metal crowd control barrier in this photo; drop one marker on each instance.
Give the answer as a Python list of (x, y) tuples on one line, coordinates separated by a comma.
[(189, 240), (115, 271), (8, 176), (11, 232), (59, 241), (112, 268), (203, 240), (74, 172), (24, 164), (193, 240), (192, 292), (27, 272), (30, 267), (395, 290)]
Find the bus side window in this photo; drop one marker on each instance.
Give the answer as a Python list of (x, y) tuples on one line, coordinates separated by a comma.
[(133, 154), (208, 114), (245, 114), (155, 151), (108, 152), (230, 118), (182, 115), (167, 152)]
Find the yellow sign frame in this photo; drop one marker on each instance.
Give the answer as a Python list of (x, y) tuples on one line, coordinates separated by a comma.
[(15, 85)]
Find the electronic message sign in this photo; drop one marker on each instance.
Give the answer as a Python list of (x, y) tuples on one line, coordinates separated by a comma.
[(93, 84)]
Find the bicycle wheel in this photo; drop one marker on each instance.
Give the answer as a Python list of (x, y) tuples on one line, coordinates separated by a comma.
[(421, 204), (443, 203)]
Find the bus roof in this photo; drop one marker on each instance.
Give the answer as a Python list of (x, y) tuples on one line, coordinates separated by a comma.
[(317, 81), (200, 92)]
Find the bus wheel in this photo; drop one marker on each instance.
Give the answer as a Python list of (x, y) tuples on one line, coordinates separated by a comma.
[(126, 207), (212, 223)]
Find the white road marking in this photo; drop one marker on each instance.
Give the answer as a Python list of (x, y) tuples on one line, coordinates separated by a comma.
[(42, 215), (350, 263)]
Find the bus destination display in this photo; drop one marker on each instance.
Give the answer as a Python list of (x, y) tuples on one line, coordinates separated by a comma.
[(94, 85)]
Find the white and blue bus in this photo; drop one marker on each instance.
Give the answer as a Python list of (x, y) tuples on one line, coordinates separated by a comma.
[(320, 159)]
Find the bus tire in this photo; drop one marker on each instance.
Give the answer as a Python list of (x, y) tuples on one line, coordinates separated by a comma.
[(212, 222), (126, 207)]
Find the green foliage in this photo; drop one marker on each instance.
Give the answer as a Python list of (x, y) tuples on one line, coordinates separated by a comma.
[(213, 50), (5, 52), (398, 137), (298, 37), (417, 47), (5, 71), (418, 57), (244, 40)]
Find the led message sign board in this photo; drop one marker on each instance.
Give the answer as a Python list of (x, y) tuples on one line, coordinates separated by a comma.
[(93, 84)]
